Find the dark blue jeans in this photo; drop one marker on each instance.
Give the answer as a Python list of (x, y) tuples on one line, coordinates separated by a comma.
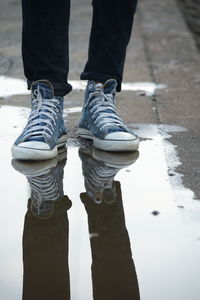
[(45, 41)]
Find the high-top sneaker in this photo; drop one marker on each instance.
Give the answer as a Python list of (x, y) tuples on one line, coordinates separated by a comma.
[(100, 121), (45, 131)]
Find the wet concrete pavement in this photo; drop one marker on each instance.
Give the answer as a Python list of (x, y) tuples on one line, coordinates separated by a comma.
[(191, 11), (99, 225)]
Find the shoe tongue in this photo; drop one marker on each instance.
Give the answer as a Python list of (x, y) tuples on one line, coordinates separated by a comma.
[(110, 86), (92, 87), (43, 210), (110, 195), (45, 90)]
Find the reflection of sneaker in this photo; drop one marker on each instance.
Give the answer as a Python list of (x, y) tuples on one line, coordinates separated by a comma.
[(45, 131), (46, 183), (101, 123), (99, 170)]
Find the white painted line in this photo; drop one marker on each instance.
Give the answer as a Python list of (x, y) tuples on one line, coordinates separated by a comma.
[(72, 110), (148, 88), (13, 86), (78, 84)]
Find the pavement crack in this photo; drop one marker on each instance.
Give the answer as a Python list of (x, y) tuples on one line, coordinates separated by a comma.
[(150, 67)]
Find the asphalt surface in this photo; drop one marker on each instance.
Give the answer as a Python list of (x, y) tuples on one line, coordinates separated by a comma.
[(161, 50)]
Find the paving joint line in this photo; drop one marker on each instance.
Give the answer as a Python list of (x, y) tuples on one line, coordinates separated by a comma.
[(146, 52)]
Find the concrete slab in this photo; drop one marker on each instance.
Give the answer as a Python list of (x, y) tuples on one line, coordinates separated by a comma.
[(174, 60)]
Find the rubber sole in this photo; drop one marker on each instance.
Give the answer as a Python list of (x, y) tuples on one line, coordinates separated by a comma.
[(41, 167), (116, 159), (110, 145), (21, 153)]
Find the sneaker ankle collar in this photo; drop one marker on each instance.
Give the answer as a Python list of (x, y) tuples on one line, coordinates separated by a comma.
[(43, 85), (109, 87)]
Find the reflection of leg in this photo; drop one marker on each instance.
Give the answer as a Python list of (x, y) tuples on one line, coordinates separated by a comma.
[(45, 255), (45, 42), (110, 34), (113, 272)]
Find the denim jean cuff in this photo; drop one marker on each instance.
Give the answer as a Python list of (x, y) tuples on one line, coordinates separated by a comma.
[(101, 77), (60, 89)]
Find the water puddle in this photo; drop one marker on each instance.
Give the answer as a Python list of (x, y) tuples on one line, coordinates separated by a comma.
[(94, 225), (14, 86)]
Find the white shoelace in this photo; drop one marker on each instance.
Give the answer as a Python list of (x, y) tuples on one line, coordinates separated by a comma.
[(99, 179), (41, 106), (44, 188), (98, 107)]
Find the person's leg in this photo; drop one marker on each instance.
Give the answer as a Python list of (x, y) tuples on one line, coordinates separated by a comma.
[(45, 42), (110, 34), (46, 63)]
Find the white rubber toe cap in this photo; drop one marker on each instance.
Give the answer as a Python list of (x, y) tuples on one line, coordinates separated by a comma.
[(33, 151), (120, 136), (34, 145)]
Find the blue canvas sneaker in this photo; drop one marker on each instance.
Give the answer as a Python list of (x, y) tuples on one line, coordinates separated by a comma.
[(45, 131), (100, 121)]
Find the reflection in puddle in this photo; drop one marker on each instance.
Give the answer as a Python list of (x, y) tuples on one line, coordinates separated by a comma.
[(45, 238), (167, 161), (108, 193)]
